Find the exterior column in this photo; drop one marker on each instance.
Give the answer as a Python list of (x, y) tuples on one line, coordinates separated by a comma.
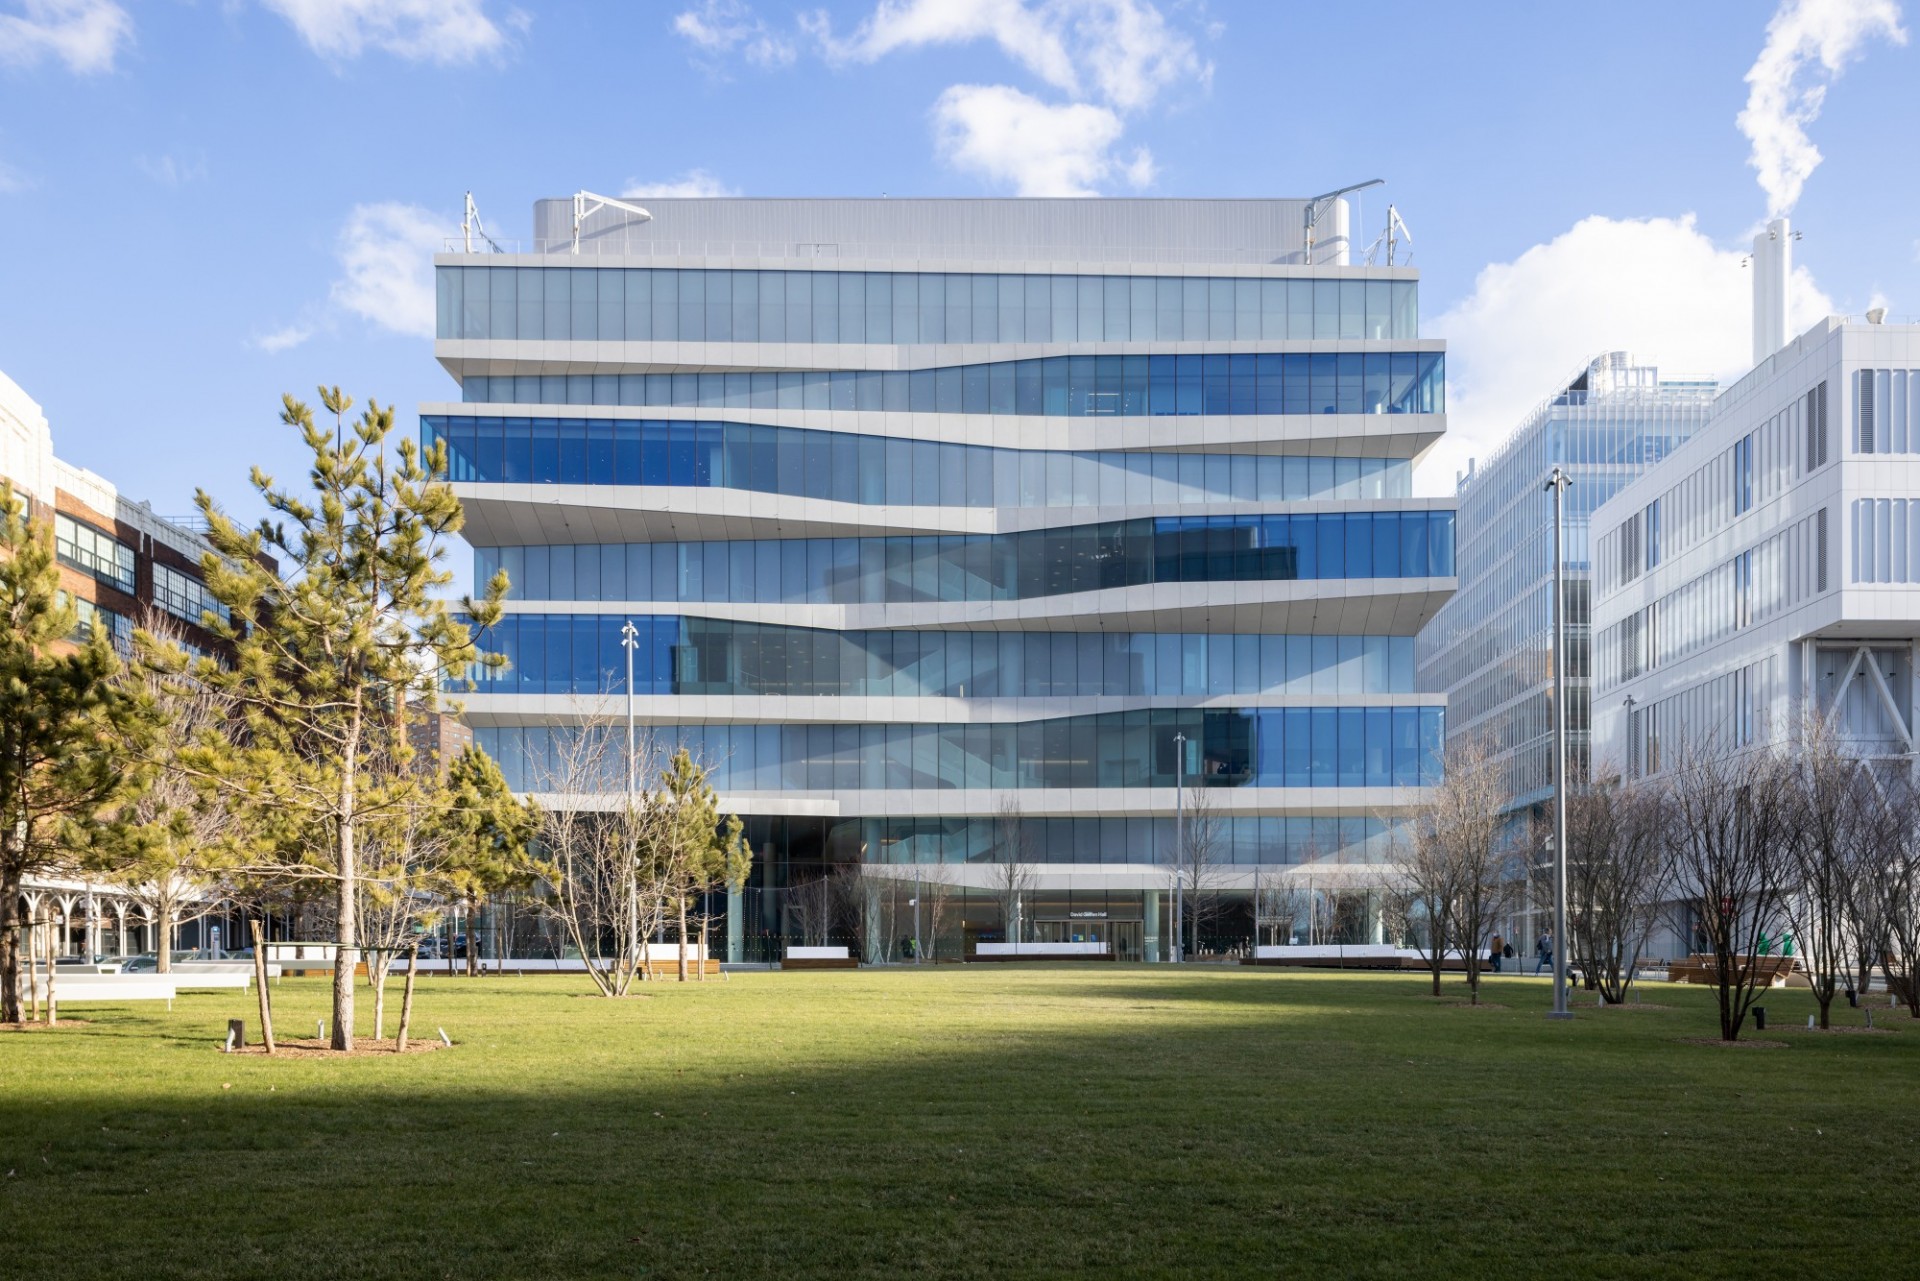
[(736, 925), (1150, 924)]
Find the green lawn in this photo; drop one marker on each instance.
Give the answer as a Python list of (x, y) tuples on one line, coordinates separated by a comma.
[(1099, 1120)]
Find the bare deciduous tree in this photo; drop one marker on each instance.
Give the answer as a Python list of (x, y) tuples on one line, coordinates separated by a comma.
[(1459, 874), (813, 906), (875, 904), (1835, 818), (935, 885), (1199, 867), (1897, 893), (1728, 841), (1013, 871), (605, 891), (1617, 881)]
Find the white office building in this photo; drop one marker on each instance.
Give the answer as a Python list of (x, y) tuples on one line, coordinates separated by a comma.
[(1770, 567), (1490, 648), (921, 506)]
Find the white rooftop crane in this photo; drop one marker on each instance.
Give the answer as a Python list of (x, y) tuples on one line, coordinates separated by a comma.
[(470, 223), (583, 211), (1396, 231), (1319, 203)]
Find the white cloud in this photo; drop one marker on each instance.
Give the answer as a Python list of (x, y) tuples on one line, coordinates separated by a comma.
[(1108, 59), (442, 31), (721, 27), (13, 181), (692, 183), (1037, 148), (87, 35), (1780, 101), (1656, 287), (283, 339), (1121, 52), (386, 254), (172, 171)]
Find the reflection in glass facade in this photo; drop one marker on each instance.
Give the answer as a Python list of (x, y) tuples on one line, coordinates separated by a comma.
[(677, 654), (986, 567), (1343, 746), (645, 408), (1400, 382), (651, 304), (850, 468), (1142, 842), (1491, 647)]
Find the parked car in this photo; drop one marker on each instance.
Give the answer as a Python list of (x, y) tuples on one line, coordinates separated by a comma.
[(145, 963)]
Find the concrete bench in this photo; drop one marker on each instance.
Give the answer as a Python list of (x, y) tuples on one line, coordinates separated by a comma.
[(81, 988), (210, 980), (1042, 952)]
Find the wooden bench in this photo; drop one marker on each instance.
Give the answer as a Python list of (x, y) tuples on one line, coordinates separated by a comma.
[(1772, 971)]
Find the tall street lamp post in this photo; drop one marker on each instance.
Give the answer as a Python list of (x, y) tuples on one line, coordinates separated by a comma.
[(630, 641), (1558, 483), (1179, 846)]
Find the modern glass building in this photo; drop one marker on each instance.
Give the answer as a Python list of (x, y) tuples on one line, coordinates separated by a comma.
[(1490, 648), (919, 507)]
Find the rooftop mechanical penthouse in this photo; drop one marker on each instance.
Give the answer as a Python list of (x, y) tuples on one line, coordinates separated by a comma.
[(920, 505)]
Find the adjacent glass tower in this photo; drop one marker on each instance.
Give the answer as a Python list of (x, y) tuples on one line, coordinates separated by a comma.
[(1490, 648), (927, 509)]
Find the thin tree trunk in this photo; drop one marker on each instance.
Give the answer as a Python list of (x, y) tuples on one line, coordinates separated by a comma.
[(12, 934), (406, 999), (377, 980), (30, 945), (53, 950), (163, 945), (260, 980), (347, 954), (682, 902), (473, 949), (703, 949)]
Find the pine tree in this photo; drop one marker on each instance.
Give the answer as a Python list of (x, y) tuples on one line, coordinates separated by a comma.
[(492, 832), (332, 658), (175, 838), (700, 848), (70, 734)]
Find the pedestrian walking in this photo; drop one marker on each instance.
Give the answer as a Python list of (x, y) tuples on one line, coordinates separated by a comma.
[(1543, 950)]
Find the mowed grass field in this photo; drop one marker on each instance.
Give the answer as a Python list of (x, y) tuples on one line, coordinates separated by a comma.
[(965, 1121)]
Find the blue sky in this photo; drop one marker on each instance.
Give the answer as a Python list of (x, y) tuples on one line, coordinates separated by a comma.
[(203, 205)]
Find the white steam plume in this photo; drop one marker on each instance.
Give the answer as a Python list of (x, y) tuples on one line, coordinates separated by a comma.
[(1785, 93)]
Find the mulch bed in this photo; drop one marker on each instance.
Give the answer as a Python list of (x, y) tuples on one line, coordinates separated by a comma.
[(1630, 1005), (1460, 1004), (1743, 1044), (1847, 1030), (41, 1026), (313, 1048)]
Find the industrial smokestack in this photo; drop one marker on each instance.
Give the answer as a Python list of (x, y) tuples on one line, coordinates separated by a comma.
[(1772, 265)]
